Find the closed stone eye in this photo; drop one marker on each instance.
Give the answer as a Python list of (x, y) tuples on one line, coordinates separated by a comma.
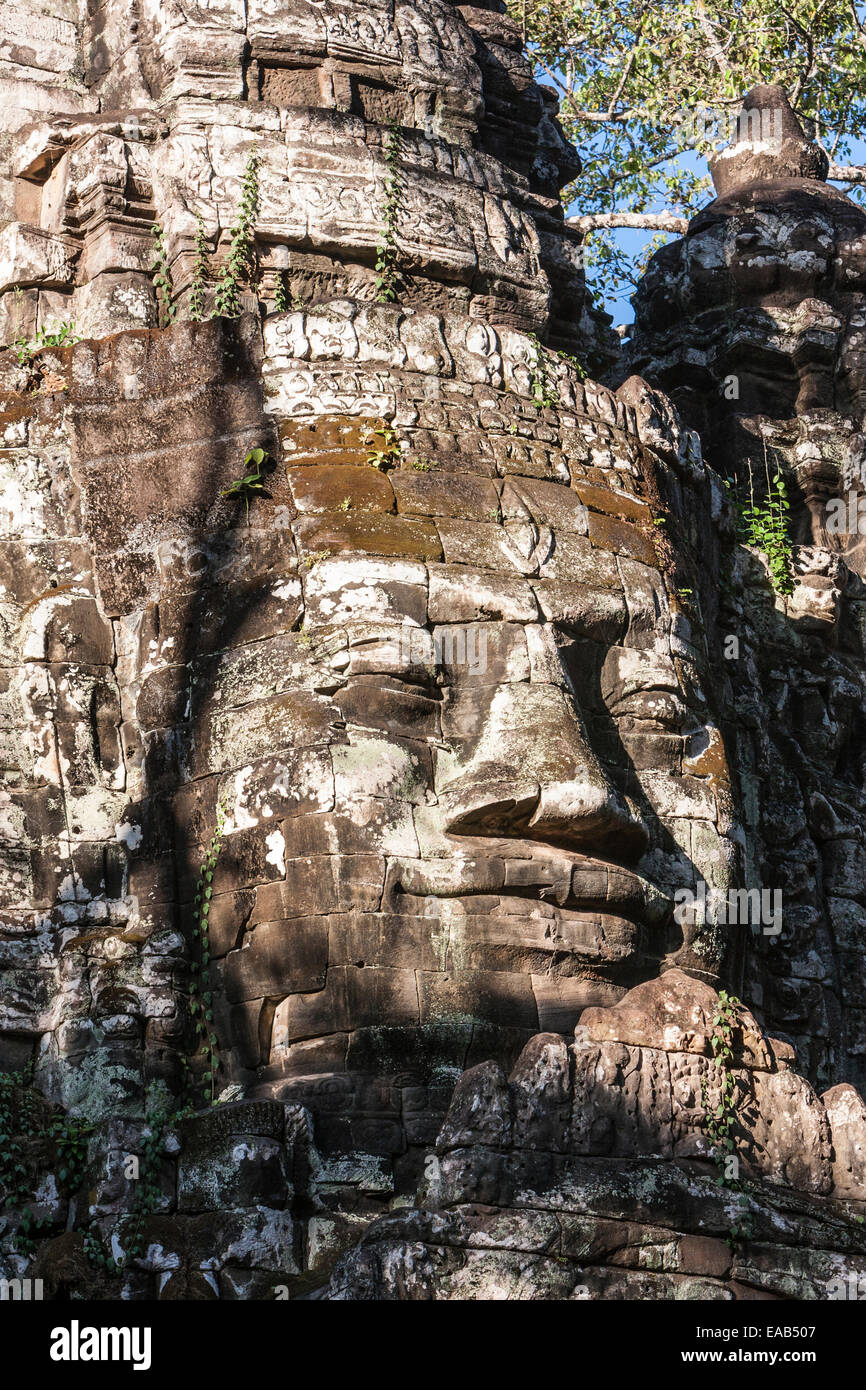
[(654, 707)]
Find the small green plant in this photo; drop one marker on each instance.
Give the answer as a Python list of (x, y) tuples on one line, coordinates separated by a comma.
[(166, 308), (719, 1120), (240, 265), (18, 305), (61, 336), (251, 484), (95, 1252), (200, 272), (200, 995), (765, 524), (542, 383), (421, 465), (389, 280), (346, 504), (384, 447)]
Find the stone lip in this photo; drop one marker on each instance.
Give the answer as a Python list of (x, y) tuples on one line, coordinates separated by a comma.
[(674, 1014), (263, 1118), (781, 151)]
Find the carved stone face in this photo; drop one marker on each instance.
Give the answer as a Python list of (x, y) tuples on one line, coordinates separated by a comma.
[(452, 704), (506, 773), (759, 316), (754, 325)]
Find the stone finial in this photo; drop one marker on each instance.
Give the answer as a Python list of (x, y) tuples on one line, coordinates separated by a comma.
[(769, 144)]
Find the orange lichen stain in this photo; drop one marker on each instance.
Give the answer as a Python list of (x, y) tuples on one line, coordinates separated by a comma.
[(712, 763), (334, 439), (616, 504), (49, 593)]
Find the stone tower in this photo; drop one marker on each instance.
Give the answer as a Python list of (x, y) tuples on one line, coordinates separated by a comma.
[(433, 695)]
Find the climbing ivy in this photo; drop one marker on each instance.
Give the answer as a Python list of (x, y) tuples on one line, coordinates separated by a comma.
[(240, 266), (200, 273), (200, 996), (160, 1115), (389, 279), (16, 1122), (281, 293), (541, 388), (22, 1121), (719, 1120), (166, 308)]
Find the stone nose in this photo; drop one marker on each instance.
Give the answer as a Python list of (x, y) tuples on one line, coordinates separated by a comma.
[(527, 769)]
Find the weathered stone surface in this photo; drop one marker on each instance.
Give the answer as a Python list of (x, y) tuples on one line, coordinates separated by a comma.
[(313, 93), (454, 687), (764, 301), (519, 1169)]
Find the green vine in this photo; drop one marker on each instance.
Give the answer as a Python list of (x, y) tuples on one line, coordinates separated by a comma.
[(166, 308), (240, 266), (159, 1116), (16, 1122), (765, 524), (577, 367), (541, 388), (200, 996), (282, 299), (719, 1120), (200, 272), (22, 1121), (389, 280)]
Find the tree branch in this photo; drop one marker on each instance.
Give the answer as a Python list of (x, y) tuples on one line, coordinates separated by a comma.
[(643, 221), (847, 173), (626, 73), (717, 53)]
